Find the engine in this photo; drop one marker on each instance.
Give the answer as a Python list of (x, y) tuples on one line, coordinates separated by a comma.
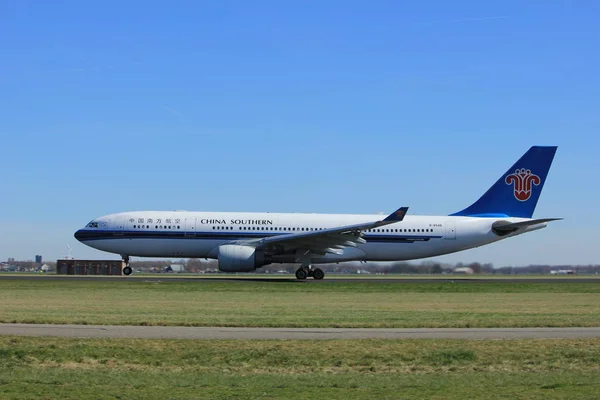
[(235, 258)]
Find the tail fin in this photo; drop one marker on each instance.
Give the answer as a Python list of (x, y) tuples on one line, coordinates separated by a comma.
[(516, 193)]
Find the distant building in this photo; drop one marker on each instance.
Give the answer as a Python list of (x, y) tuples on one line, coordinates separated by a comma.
[(38, 259), (563, 272), (463, 271), (11, 260), (89, 267)]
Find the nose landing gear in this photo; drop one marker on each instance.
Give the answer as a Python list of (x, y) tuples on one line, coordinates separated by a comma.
[(127, 269)]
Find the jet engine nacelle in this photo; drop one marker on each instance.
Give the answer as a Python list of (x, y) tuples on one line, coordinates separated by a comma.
[(235, 258)]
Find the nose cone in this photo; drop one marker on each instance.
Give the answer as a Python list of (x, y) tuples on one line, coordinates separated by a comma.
[(79, 235)]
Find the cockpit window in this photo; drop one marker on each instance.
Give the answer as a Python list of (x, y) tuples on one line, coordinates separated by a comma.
[(92, 225)]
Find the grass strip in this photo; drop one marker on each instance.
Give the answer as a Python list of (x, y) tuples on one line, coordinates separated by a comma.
[(292, 304), (386, 369)]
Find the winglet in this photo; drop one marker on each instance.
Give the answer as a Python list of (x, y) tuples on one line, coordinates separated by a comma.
[(397, 215)]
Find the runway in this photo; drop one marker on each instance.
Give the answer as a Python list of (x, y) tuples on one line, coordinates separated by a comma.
[(177, 332), (290, 279)]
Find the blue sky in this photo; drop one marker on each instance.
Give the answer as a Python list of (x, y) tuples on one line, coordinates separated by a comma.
[(307, 106)]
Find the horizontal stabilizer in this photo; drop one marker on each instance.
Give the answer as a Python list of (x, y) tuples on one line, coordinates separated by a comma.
[(502, 228)]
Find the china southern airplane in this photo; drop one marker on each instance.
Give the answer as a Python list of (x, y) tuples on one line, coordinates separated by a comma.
[(243, 242)]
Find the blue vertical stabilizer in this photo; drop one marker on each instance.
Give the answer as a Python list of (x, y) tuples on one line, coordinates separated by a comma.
[(516, 193)]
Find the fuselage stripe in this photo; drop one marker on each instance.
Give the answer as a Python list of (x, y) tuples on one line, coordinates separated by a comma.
[(90, 235)]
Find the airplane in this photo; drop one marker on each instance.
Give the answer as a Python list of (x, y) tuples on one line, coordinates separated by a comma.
[(243, 242)]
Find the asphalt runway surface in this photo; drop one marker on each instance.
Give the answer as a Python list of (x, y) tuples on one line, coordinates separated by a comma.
[(291, 279), (177, 332)]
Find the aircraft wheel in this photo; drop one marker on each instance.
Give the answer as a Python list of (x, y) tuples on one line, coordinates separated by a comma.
[(127, 270), (318, 274), (301, 274)]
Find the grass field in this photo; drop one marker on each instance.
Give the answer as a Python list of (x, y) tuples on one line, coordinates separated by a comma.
[(292, 304), (382, 369)]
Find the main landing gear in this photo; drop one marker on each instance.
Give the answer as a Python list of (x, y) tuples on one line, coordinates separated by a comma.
[(307, 271), (127, 269)]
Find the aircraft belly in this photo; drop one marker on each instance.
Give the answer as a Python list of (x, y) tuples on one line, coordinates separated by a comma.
[(405, 251), (191, 248)]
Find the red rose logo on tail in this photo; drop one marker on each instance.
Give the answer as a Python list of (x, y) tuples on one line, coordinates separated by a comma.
[(523, 181)]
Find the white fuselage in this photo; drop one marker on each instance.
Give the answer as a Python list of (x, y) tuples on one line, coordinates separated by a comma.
[(199, 234)]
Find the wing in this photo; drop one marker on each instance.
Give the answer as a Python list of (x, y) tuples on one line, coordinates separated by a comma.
[(325, 241)]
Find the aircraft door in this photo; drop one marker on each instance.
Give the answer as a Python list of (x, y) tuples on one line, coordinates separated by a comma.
[(119, 226), (450, 230), (190, 226)]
